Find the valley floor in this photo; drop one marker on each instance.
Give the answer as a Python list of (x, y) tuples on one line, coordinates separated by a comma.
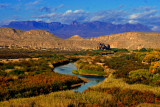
[(129, 82)]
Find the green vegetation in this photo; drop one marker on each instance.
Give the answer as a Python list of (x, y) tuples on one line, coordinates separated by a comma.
[(62, 99), (155, 67), (31, 77), (140, 76), (110, 93), (133, 80), (88, 72), (16, 72), (90, 66), (124, 94), (124, 64), (119, 50), (34, 85), (75, 71)]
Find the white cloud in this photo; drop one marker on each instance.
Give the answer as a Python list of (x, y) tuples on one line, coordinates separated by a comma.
[(38, 20), (132, 21), (68, 12), (96, 18), (133, 16), (78, 11), (156, 28), (34, 2), (47, 15), (149, 16)]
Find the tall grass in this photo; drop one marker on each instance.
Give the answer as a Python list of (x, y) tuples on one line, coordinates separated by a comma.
[(112, 82), (61, 99)]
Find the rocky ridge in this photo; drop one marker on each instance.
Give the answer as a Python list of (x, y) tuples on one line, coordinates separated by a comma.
[(40, 39)]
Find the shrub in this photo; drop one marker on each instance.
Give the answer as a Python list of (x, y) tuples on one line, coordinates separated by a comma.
[(39, 72), (2, 73), (141, 55), (16, 72), (75, 71), (124, 64), (119, 50), (140, 76), (9, 67), (152, 57), (155, 67), (156, 78), (143, 50)]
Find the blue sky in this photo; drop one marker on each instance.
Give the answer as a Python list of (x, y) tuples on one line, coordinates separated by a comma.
[(146, 12)]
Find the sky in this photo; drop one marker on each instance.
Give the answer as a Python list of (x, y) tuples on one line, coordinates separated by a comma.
[(145, 12)]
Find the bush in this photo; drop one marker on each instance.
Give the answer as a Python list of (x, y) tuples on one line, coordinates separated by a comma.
[(2, 73), (155, 67), (75, 71), (140, 76), (140, 55), (124, 64), (143, 50), (39, 72), (9, 67), (119, 50), (152, 57), (156, 78), (16, 72)]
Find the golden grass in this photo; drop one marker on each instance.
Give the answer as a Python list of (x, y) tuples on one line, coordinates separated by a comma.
[(16, 60), (148, 105), (112, 82), (60, 99)]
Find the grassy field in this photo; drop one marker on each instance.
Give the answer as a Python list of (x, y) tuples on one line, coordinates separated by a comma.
[(61, 99)]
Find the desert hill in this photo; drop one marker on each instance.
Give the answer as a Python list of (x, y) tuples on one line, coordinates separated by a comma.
[(131, 40), (76, 37), (40, 39)]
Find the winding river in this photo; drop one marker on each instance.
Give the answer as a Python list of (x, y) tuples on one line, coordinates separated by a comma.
[(67, 69)]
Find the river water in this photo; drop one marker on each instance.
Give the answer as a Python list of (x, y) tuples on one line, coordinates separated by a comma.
[(67, 69)]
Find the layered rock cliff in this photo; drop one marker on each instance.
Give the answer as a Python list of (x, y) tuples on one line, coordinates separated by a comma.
[(131, 40)]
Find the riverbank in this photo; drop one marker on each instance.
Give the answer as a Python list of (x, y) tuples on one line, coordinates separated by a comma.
[(88, 80), (89, 73), (85, 80), (33, 76)]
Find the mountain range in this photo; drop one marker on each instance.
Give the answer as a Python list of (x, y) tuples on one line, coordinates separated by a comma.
[(85, 30), (43, 40)]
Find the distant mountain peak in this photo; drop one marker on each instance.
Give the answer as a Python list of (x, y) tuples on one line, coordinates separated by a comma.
[(86, 30)]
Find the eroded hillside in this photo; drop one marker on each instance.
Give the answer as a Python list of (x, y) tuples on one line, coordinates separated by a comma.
[(40, 39)]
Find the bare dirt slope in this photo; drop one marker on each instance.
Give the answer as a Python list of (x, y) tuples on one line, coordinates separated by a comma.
[(40, 39), (131, 40)]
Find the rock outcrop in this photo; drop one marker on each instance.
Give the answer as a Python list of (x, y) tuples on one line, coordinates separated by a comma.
[(102, 46)]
